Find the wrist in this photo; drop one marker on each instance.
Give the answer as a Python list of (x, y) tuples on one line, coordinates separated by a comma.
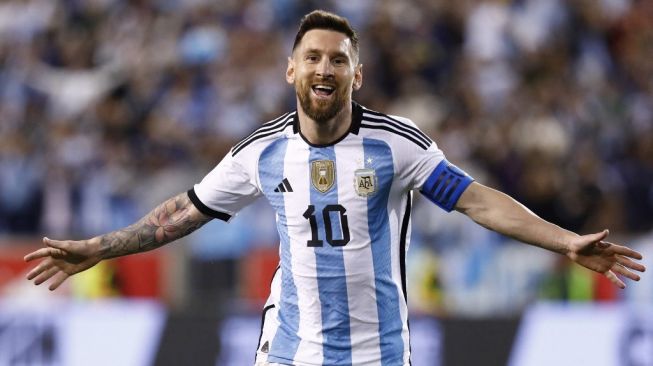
[(96, 249), (569, 243)]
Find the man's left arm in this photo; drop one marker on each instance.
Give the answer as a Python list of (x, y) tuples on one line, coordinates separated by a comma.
[(501, 213)]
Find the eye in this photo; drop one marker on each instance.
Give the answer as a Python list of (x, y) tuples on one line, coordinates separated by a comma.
[(312, 58), (340, 61)]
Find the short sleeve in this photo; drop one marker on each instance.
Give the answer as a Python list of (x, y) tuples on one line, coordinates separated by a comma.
[(421, 164), (424, 167), (416, 155), (227, 189)]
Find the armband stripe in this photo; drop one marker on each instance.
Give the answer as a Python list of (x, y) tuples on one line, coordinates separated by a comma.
[(201, 207), (443, 189), (452, 190), (437, 184), (445, 185)]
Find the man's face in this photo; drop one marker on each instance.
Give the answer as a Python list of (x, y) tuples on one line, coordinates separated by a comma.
[(324, 71)]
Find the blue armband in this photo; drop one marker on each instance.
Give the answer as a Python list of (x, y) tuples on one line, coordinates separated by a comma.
[(445, 185)]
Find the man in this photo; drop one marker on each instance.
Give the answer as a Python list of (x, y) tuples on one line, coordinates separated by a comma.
[(340, 178)]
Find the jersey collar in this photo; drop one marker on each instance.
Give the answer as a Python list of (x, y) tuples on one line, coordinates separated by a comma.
[(354, 127)]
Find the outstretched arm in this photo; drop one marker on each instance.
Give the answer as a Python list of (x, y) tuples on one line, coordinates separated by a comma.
[(499, 212), (171, 220)]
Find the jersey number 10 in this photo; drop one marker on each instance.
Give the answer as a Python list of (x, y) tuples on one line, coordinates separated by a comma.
[(315, 241)]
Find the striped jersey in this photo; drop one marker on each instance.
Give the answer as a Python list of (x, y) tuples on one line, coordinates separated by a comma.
[(338, 296)]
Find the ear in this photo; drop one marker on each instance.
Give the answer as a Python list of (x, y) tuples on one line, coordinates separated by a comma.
[(290, 71), (358, 77)]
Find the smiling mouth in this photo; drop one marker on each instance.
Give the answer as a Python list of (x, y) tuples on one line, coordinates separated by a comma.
[(322, 90)]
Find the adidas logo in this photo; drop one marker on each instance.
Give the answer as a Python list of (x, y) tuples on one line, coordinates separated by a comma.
[(266, 347), (284, 186)]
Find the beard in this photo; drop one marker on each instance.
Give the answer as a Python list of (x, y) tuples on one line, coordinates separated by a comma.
[(320, 110)]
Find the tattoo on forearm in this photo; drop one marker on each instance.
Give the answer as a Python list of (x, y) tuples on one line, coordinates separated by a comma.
[(167, 222)]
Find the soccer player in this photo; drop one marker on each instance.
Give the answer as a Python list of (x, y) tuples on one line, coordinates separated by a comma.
[(340, 178)]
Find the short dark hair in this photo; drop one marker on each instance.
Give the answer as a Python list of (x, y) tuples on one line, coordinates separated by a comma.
[(321, 19)]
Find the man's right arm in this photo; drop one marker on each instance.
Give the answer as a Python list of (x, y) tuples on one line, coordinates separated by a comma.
[(171, 220)]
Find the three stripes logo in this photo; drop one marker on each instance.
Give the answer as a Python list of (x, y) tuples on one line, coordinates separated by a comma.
[(266, 347), (284, 186)]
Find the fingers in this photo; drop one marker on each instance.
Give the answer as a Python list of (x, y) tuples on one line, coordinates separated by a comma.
[(54, 248), (614, 279), (623, 267), (46, 271), (40, 253), (625, 251), (630, 264), (56, 256), (46, 275), (44, 253), (618, 268), (39, 269), (59, 278)]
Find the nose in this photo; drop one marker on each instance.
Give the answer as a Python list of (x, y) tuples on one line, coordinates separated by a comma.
[(324, 68)]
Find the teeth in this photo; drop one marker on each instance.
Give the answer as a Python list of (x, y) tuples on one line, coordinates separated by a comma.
[(324, 87)]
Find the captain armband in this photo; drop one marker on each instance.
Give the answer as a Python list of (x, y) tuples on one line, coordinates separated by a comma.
[(445, 185)]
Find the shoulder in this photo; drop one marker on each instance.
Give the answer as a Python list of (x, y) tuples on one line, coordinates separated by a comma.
[(265, 134), (397, 129)]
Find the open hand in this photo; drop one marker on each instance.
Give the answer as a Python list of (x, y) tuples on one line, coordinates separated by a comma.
[(609, 259), (62, 259)]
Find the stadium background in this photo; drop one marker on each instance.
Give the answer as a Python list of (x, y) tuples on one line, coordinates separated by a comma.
[(107, 107)]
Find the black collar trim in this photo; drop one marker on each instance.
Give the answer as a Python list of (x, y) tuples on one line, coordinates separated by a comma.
[(354, 127)]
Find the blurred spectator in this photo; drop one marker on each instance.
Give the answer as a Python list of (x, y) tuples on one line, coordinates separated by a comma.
[(107, 104)]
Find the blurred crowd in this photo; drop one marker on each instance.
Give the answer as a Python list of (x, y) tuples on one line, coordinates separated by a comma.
[(550, 101), (109, 106)]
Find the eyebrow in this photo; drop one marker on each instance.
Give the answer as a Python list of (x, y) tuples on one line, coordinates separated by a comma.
[(336, 54)]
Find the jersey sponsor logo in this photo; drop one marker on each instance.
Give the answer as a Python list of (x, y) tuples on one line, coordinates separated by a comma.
[(365, 182), (323, 174)]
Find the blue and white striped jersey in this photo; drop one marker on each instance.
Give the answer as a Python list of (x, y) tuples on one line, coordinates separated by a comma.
[(343, 216)]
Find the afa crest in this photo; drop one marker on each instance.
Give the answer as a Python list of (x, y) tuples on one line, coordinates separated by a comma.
[(323, 174), (365, 182)]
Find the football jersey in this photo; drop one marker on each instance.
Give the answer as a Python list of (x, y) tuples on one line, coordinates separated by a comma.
[(338, 296)]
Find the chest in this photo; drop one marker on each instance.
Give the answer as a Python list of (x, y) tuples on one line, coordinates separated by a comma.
[(326, 193), (354, 171)]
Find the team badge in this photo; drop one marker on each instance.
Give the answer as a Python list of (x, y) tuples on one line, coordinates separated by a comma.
[(365, 182), (323, 174)]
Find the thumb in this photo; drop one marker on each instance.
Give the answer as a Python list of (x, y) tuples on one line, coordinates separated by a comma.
[(57, 244), (598, 237)]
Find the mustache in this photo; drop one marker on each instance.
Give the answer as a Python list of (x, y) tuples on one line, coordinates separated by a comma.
[(329, 80)]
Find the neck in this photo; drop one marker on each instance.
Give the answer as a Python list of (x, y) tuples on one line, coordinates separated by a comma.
[(324, 132)]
